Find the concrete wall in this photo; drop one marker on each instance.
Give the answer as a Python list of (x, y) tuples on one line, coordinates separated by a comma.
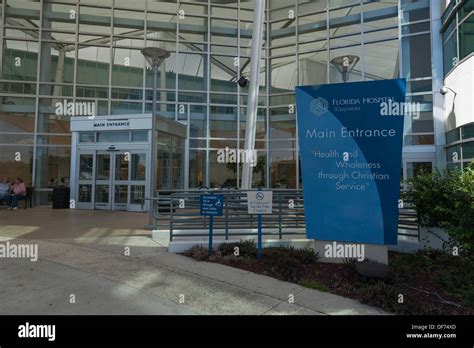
[(460, 108)]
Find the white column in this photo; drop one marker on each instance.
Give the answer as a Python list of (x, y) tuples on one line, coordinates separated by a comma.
[(59, 76), (254, 84), (439, 117)]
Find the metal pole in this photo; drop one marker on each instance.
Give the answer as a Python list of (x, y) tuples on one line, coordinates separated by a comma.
[(211, 225), (252, 106), (259, 255), (153, 182)]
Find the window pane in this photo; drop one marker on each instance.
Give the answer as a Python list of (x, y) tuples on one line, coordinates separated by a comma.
[(138, 166), (112, 137)]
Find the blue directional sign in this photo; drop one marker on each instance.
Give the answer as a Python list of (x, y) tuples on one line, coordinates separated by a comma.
[(211, 205), (350, 138)]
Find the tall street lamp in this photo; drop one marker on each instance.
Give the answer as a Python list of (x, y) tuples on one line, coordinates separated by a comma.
[(155, 57)]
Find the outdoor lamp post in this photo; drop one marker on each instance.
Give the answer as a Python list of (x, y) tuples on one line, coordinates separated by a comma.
[(154, 56), (445, 90), (345, 64)]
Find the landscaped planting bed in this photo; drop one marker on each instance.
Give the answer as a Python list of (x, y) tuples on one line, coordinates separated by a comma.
[(431, 282)]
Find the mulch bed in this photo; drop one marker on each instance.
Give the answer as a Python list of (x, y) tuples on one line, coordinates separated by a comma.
[(413, 276)]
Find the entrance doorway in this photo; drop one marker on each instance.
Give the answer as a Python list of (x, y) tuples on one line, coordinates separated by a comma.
[(112, 180), (111, 160)]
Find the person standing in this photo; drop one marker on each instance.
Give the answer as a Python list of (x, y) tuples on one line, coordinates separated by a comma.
[(18, 193)]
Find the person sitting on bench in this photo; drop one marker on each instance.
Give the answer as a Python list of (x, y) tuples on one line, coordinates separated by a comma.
[(18, 193), (5, 189)]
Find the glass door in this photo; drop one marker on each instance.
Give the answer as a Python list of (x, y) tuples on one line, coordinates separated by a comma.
[(102, 181), (137, 181), (120, 182), (85, 180), (163, 168)]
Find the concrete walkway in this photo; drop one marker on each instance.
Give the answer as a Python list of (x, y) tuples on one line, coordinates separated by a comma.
[(103, 263)]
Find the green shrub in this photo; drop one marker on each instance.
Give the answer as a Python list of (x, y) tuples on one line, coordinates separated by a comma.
[(248, 248), (380, 294), (303, 256), (285, 268), (227, 249), (286, 262), (446, 201), (197, 252), (455, 275)]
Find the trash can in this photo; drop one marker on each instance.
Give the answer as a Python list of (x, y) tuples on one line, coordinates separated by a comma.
[(61, 197)]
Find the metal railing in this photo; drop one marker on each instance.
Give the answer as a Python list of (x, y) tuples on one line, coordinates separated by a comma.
[(178, 211)]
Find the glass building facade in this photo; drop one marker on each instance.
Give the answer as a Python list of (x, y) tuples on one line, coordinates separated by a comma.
[(458, 33), (89, 51), (460, 147), (458, 47)]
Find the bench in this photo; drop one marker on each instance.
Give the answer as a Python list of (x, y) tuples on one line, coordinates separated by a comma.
[(28, 199)]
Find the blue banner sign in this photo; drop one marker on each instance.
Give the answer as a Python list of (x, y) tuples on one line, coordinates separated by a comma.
[(211, 205), (350, 139)]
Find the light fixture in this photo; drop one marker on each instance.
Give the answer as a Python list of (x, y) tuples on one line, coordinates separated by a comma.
[(345, 64), (154, 55), (445, 90)]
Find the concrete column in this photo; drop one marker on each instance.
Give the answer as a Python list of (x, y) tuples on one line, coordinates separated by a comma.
[(59, 76), (162, 77), (439, 118), (252, 106), (41, 157)]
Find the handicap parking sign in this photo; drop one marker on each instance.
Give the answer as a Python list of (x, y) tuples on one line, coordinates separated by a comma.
[(211, 205)]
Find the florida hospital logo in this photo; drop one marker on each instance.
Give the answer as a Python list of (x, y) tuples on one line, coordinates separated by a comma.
[(319, 106)]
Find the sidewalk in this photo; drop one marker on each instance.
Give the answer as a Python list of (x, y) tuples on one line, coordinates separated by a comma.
[(150, 281)]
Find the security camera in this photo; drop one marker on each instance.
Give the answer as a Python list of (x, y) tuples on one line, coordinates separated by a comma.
[(243, 82)]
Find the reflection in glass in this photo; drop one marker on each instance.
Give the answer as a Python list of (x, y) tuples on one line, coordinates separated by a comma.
[(85, 193), (416, 168), (86, 137), (121, 166), (222, 174), (85, 167), (139, 135), (112, 137), (163, 167), (137, 194), (102, 194), (120, 194), (103, 167), (197, 168), (138, 166), (283, 169)]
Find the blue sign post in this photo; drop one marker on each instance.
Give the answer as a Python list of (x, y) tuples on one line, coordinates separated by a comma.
[(211, 205), (350, 138), (259, 254)]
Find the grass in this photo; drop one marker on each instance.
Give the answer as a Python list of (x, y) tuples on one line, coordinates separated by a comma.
[(311, 284)]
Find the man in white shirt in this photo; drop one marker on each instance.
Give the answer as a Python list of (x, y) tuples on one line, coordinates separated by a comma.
[(5, 189)]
